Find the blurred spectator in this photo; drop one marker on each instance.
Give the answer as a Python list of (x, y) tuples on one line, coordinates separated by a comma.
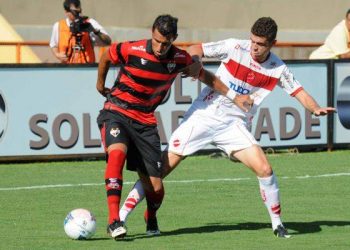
[(73, 38), (336, 45)]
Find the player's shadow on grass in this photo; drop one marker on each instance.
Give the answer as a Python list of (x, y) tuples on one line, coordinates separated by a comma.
[(294, 228)]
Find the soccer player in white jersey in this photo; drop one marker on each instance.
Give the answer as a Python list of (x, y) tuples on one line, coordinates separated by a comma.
[(248, 67)]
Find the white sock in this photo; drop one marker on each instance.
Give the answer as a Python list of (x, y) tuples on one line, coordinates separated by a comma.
[(135, 196), (270, 194)]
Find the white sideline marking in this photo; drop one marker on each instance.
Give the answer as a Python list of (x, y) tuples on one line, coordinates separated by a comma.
[(165, 181)]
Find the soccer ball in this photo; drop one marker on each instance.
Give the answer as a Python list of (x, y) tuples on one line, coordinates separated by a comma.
[(80, 224)]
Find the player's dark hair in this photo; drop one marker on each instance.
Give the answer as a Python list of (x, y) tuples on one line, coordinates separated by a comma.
[(166, 25), (347, 13), (265, 27), (67, 3)]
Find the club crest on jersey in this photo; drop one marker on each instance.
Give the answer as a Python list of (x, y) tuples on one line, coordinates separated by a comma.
[(114, 132), (250, 77), (171, 66)]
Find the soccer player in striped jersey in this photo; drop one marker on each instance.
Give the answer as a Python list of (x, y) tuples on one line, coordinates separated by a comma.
[(249, 68), (127, 122)]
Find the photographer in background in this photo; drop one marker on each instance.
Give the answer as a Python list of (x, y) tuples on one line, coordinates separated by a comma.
[(73, 38)]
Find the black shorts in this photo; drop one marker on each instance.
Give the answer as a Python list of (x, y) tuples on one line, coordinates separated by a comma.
[(143, 142)]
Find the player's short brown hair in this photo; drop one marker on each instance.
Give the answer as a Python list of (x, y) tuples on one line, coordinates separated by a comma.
[(265, 27)]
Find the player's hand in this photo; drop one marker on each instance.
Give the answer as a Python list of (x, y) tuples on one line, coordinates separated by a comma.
[(192, 70), (324, 111), (244, 102), (103, 90)]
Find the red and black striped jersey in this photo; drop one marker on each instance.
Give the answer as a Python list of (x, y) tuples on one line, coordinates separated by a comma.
[(143, 80)]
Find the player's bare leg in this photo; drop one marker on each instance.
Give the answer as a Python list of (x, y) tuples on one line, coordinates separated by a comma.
[(255, 159), (136, 195), (154, 193)]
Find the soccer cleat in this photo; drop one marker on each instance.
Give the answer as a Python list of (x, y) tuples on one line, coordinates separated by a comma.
[(117, 230), (281, 232), (152, 226)]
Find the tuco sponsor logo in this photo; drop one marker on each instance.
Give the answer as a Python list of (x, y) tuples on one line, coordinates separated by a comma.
[(114, 132), (140, 48), (176, 143), (171, 66), (239, 89), (3, 116)]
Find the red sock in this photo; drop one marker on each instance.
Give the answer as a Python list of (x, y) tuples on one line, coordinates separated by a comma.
[(154, 200), (114, 183)]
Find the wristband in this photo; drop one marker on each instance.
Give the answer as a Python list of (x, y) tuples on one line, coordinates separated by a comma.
[(231, 94)]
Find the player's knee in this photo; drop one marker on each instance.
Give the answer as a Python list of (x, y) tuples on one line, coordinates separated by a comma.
[(158, 189), (154, 186), (264, 170)]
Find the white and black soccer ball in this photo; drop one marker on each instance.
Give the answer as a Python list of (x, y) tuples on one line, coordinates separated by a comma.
[(80, 224)]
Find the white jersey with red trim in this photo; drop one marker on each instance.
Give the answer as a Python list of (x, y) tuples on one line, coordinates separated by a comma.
[(242, 74)]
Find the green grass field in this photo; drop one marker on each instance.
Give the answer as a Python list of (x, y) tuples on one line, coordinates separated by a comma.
[(209, 204)]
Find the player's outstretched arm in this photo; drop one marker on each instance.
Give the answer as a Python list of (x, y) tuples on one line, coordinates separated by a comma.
[(195, 68), (103, 67), (244, 102), (310, 104), (196, 51)]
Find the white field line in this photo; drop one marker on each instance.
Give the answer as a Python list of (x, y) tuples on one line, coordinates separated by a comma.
[(165, 181)]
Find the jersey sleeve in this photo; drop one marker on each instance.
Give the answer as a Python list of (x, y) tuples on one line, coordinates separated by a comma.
[(118, 53), (288, 83), (218, 49), (54, 36)]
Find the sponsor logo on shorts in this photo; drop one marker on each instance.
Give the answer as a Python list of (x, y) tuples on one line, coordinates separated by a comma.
[(114, 132), (176, 143)]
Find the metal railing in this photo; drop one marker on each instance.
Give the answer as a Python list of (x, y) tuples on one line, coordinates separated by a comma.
[(184, 45)]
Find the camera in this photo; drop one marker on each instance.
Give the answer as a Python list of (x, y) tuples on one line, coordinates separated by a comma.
[(79, 24)]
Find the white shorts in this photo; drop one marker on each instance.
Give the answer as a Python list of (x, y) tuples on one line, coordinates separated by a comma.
[(197, 132)]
